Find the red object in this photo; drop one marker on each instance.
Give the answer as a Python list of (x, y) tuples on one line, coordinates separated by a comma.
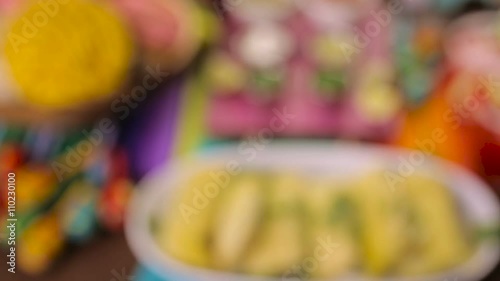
[(113, 203), (119, 164), (472, 58), (11, 157), (490, 156), (116, 193)]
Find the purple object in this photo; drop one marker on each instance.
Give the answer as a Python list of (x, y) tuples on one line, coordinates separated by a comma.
[(150, 137)]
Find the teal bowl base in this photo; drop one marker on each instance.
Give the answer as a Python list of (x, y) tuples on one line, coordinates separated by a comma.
[(143, 274)]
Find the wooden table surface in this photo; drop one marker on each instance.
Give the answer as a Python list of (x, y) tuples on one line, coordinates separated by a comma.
[(99, 260)]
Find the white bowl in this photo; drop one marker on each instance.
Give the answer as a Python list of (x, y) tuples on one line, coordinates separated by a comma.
[(338, 159)]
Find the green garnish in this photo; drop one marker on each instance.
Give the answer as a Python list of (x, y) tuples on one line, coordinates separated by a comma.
[(330, 84)]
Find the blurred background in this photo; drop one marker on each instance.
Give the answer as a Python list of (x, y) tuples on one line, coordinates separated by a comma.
[(96, 94)]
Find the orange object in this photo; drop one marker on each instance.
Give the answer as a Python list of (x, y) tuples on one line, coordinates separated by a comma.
[(445, 128)]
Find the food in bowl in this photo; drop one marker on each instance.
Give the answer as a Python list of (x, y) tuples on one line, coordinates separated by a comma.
[(292, 224)]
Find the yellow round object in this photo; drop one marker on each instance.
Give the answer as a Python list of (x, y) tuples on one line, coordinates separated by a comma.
[(35, 186), (379, 103), (224, 74), (75, 52), (329, 50), (40, 244)]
